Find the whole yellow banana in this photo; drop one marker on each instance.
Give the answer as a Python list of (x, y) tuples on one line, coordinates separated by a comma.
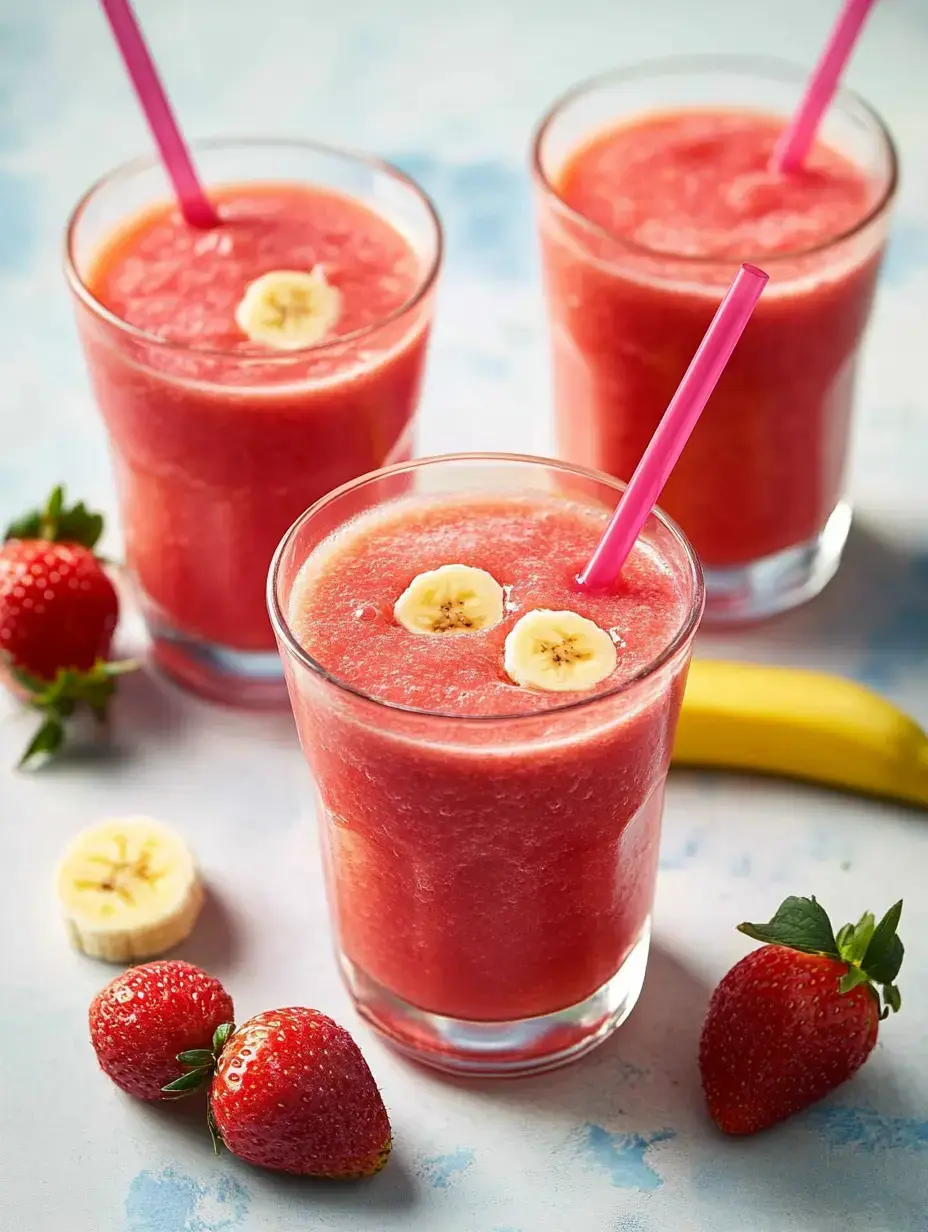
[(802, 725)]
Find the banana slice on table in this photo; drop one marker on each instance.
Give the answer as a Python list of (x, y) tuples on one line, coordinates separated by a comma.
[(558, 651), (129, 889), (450, 599), (289, 309)]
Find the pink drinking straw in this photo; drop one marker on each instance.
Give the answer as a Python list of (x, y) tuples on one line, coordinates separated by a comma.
[(191, 198), (794, 144), (679, 420)]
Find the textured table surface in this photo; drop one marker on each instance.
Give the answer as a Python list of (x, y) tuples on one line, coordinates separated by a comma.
[(621, 1141)]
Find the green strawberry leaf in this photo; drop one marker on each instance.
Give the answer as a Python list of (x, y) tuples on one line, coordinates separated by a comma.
[(872, 952), (58, 699), (213, 1128), (79, 525), (883, 956), (886, 968), (196, 1058), (892, 999), (55, 504), (188, 1082), (800, 924), (221, 1036), (58, 523), (851, 978), (31, 684), (46, 742), (118, 667), (853, 939), (29, 526)]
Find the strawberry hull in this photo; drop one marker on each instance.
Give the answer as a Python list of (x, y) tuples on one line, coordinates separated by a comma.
[(795, 1019), (142, 1019)]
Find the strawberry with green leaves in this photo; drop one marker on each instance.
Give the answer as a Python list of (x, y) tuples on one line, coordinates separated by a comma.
[(290, 1090), (796, 1018), (150, 1022), (58, 614)]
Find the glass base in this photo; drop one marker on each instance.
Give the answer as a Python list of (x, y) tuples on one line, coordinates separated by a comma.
[(250, 679), (745, 593), (501, 1049)]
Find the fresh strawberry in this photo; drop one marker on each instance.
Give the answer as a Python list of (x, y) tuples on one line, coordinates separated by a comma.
[(292, 1092), (796, 1018), (58, 613), (155, 1024)]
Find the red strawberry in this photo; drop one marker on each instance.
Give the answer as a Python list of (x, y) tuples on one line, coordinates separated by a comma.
[(795, 1019), (58, 612), (153, 1023), (292, 1092)]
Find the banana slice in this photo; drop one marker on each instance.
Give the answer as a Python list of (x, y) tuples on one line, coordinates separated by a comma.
[(450, 599), (129, 889), (289, 309), (558, 651)]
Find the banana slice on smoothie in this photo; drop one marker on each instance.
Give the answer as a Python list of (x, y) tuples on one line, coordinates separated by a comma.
[(129, 889), (289, 309), (450, 599), (560, 652)]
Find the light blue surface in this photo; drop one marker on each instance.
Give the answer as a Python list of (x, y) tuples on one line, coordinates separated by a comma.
[(621, 1142)]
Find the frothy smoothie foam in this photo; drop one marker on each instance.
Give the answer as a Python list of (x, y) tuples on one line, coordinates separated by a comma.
[(341, 610), (698, 184)]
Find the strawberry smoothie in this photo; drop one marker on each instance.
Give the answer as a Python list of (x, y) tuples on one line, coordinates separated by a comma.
[(643, 223), (491, 849), (219, 441)]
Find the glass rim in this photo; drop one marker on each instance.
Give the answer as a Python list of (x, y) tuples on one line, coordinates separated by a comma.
[(145, 162), (769, 66), (681, 637)]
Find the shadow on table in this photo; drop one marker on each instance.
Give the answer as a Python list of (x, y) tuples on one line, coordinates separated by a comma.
[(150, 710), (217, 943), (845, 1165), (644, 1074), (145, 708), (633, 1114), (393, 1190), (147, 704), (877, 605)]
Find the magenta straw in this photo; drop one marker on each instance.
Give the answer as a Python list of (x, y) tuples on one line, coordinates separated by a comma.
[(191, 198), (679, 420), (796, 141)]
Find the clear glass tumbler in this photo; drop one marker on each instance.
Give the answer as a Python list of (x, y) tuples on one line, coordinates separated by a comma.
[(760, 488), (490, 879), (217, 451)]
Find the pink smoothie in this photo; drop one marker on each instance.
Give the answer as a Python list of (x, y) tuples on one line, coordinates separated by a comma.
[(219, 443), (677, 200), (500, 862)]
